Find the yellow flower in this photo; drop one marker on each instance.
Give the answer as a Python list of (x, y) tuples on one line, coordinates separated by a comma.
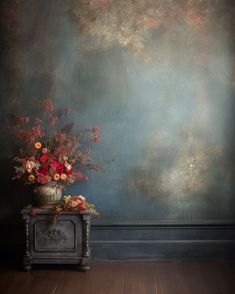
[(44, 150), (56, 177), (31, 178), (63, 176), (37, 145)]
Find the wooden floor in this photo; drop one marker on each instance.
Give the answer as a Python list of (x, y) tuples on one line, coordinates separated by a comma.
[(124, 277)]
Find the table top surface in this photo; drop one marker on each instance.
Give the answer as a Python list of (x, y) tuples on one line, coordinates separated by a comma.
[(51, 211)]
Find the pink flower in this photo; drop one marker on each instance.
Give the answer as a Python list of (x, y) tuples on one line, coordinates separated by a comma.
[(29, 166), (44, 150), (43, 179), (53, 164)]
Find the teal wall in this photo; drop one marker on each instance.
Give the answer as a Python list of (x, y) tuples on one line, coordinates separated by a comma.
[(156, 76)]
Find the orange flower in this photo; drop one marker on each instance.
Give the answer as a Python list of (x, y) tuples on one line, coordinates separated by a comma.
[(56, 177), (63, 176), (37, 145), (31, 178), (44, 150)]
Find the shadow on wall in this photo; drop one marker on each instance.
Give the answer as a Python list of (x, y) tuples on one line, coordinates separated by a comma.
[(14, 195)]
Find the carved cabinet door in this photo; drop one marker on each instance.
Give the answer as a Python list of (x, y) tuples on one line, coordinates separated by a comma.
[(53, 240), (66, 242)]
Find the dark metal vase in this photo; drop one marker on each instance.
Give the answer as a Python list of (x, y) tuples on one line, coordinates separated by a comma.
[(48, 195)]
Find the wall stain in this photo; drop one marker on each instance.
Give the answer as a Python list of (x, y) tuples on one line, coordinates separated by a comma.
[(176, 172), (158, 78)]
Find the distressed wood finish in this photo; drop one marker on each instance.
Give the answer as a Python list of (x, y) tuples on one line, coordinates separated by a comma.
[(66, 242), (27, 258)]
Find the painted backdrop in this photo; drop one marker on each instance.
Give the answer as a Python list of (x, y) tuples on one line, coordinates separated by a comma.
[(157, 76)]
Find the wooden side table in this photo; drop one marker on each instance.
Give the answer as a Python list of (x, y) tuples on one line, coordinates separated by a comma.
[(66, 242)]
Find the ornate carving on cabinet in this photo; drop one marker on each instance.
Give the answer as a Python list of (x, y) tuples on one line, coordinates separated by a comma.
[(67, 241), (53, 237)]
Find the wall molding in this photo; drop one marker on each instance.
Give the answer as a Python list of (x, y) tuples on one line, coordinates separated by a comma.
[(166, 223), (163, 240), (145, 240)]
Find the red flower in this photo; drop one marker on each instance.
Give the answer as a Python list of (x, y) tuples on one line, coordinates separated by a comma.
[(54, 164), (95, 138), (43, 158), (44, 169), (59, 168), (69, 171), (81, 206)]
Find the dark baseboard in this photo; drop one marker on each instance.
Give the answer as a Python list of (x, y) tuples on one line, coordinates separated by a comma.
[(161, 240)]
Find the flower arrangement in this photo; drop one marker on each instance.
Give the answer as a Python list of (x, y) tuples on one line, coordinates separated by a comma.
[(69, 202), (74, 202), (51, 151)]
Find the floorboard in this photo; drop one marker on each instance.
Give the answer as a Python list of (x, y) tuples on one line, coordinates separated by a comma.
[(133, 277)]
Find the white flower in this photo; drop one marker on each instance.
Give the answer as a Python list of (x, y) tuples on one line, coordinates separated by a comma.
[(29, 166), (82, 198), (67, 198), (68, 166)]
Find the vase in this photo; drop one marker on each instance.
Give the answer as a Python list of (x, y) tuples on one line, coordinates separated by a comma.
[(48, 195)]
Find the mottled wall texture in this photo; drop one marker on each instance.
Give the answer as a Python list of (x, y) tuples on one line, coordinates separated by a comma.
[(158, 77)]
